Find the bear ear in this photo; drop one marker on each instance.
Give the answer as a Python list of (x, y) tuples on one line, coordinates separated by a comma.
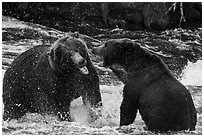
[(76, 34), (60, 40), (55, 49), (54, 55), (128, 46), (132, 45), (55, 52), (50, 53), (51, 58)]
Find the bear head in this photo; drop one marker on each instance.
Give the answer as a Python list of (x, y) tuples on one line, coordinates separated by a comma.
[(68, 54), (117, 51)]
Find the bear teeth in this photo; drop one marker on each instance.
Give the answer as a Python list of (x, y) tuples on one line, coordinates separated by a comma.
[(84, 70)]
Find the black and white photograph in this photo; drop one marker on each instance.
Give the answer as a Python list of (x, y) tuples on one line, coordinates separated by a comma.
[(101, 68)]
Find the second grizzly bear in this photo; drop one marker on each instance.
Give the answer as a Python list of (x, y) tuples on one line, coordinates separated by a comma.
[(163, 102)]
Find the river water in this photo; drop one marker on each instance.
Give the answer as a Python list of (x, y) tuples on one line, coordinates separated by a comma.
[(107, 122)]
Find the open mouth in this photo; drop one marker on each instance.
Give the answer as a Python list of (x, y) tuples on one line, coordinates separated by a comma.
[(82, 67), (84, 70)]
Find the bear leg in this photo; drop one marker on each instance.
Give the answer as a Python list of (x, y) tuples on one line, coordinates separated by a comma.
[(63, 111), (128, 111), (92, 95), (91, 91), (14, 109)]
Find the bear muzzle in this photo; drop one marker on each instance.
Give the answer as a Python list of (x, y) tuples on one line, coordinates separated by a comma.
[(101, 51), (80, 62), (98, 50)]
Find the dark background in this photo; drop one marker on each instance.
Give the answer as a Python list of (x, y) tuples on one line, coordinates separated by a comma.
[(91, 17)]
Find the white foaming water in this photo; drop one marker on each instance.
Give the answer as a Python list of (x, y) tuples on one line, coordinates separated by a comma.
[(192, 74), (110, 112), (108, 115), (79, 112)]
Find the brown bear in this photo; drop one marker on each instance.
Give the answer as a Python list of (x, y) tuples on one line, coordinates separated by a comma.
[(45, 79), (163, 102)]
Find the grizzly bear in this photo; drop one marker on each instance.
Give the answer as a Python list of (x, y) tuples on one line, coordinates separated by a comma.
[(45, 79), (163, 102)]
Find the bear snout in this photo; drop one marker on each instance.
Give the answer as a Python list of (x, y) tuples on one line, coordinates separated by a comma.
[(78, 60), (98, 50), (82, 63)]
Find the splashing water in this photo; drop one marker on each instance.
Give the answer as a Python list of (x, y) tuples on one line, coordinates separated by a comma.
[(79, 112), (109, 113), (108, 116)]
